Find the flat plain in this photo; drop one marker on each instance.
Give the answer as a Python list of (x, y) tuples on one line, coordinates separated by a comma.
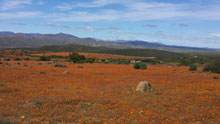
[(38, 92)]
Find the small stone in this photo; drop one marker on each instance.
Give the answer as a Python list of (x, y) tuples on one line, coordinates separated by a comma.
[(66, 72)]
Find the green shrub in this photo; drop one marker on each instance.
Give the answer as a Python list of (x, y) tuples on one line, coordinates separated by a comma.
[(215, 77), (4, 121), (140, 66), (192, 67), (76, 58), (1, 63), (212, 67), (60, 65), (3, 85), (26, 58), (25, 65), (7, 59), (44, 58), (17, 59), (43, 72)]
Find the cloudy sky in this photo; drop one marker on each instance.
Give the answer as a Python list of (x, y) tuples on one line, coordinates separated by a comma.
[(177, 22)]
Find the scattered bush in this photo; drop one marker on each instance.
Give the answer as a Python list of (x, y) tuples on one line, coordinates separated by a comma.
[(152, 61), (43, 72), (140, 66), (25, 65), (90, 60), (3, 85), (60, 65), (76, 58), (44, 58), (17, 59), (7, 59), (4, 122), (212, 67), (192, 67), (1, 63), (215, 77), (26, 58)]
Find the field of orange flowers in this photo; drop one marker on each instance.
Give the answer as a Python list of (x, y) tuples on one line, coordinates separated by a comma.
[(38, 92)]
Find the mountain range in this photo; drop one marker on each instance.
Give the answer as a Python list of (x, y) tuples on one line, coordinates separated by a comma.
[(37, 40)]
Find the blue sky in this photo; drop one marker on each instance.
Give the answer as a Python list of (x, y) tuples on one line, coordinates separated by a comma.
[(177, 22)]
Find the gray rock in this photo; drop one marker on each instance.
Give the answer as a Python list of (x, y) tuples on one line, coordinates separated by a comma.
[(66, 72), (144, 86)]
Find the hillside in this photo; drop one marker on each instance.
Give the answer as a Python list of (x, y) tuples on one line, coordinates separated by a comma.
[(22, 40), (104, 50), (161, 46)]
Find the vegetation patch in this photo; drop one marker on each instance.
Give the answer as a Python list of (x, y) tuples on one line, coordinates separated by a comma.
[(44, 58), (192, 67), (140, 66), (43, 72), (60, 65), (3, 85), (76, 58), (212, 67)]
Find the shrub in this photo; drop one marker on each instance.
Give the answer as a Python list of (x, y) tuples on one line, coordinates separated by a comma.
[(3, 85), (4, 121), (17, 59), (43, 72), (26, 58), (1, 63), (44, 58), (60, 65), (192, 67), (7, 59), (215, 77), (212, 67), (140, 66), (25, 65), (76, 58)]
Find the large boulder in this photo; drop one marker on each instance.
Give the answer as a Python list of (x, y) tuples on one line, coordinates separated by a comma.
[(144, 86)]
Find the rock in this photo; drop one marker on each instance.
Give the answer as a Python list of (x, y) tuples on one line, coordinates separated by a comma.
[(66, 72), (144, 86)]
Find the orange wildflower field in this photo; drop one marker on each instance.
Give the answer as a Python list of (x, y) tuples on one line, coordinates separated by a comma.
[(38, 92)]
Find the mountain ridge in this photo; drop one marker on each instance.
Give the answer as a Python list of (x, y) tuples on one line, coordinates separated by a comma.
[(33, 40)]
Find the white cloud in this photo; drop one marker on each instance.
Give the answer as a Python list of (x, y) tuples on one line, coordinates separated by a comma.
[(40, 3), (217, 35), (99, 3), (134, 10), (58, 26), (83, 16), (14, 15), (14, 4), (65, 7)]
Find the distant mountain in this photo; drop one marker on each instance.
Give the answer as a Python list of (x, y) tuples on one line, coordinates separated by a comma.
[(160, 46), (6, 32), (35, 40)]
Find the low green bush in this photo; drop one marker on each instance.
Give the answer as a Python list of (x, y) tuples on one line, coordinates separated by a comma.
[(3, 85), (192, 67), (44, 58), (212, 67), (43, 72), (60, 65), (140, 66)]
